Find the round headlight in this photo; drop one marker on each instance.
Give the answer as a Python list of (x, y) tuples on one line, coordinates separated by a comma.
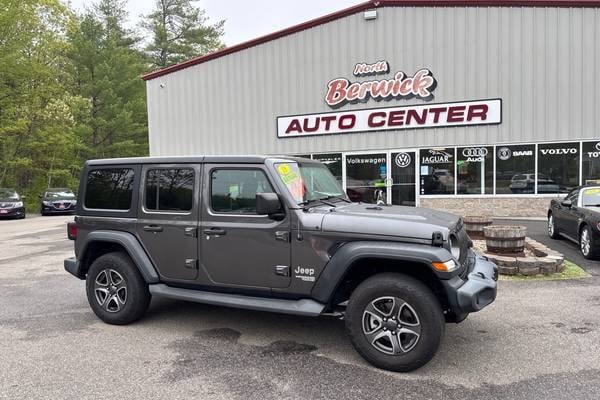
[(454, 247), (18, 204)]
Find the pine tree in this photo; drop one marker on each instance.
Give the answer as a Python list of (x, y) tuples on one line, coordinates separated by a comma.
[(180, 31), (107, 68)]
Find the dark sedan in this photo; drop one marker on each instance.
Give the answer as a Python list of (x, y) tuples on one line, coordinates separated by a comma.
[(577, 218), (58, 201), (11, 204)]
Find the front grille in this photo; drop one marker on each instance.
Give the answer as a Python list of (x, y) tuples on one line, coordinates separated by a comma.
[(6, 205)]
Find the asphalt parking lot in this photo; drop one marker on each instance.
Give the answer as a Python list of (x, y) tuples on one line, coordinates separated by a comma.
[(538, 341)]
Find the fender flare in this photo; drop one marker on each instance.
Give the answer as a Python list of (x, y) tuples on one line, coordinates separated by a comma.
[(338, 266), (131, 245)]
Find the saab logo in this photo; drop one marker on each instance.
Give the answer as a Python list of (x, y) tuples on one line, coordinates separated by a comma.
[(504, 153), (305, 274), (558, 152), (523, 153), (436, 157), (402, 160), (474, 152)]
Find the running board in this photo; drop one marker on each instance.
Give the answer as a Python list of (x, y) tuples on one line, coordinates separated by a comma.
[(305, 307)]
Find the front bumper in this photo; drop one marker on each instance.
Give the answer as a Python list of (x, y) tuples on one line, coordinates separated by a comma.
[(476, 290), (12, 212), (73, 266)]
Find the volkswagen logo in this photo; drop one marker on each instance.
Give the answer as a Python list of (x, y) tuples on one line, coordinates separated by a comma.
[(474, 152), (402, 160), (504, 153)]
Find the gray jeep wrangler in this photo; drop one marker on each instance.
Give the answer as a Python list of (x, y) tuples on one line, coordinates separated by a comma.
[(274, 234)]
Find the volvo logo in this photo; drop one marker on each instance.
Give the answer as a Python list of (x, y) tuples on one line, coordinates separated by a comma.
[(474, 152), (504, 153), (402, 160)]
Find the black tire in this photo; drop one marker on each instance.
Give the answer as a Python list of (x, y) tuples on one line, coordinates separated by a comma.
[(420, 300), (552, 230), (128, 305), (589, 250)]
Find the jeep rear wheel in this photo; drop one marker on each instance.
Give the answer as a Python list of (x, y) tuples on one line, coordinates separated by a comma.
[(395, 322), (116, 291)]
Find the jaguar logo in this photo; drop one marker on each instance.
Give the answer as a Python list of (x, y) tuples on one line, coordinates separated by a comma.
[(402, 160)]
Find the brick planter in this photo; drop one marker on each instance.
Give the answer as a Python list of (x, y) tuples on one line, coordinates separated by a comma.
[(543, 261)]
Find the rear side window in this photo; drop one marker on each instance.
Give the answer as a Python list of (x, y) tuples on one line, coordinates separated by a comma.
[(109, 189), (169, 189), (234, 190)]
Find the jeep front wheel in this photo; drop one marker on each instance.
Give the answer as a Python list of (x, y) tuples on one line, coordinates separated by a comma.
[(395, 322), (116, 291)]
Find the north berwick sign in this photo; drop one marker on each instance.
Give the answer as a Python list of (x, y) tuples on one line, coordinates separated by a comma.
[(400, 86)]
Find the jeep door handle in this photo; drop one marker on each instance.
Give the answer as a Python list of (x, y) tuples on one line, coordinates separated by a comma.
[(153, 228), (215, 231)]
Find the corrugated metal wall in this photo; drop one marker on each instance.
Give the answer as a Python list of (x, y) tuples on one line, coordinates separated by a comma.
[(543, 62)]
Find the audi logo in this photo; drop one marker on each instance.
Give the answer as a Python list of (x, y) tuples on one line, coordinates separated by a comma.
[(474, 152)]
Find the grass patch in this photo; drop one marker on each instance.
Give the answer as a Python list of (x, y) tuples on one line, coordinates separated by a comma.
[(571, 271)]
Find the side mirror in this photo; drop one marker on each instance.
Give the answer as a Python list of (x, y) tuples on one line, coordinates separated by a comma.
[(268, 204), (566, 203)]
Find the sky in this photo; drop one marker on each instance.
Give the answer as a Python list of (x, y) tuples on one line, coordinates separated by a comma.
[(246, 19)]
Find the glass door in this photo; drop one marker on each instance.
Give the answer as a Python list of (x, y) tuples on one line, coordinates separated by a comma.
[(403, 188), (366, 177)]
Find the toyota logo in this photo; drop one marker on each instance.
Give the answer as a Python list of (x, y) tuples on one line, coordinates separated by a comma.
[(597, 146), (504, 153), (402, 160), (474, 152)]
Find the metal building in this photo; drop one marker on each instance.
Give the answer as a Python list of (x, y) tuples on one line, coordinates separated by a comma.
[(490, 106)]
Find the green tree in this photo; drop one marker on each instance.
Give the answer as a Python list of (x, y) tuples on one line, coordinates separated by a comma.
[(37, 139), (180, 31), (106, 68)]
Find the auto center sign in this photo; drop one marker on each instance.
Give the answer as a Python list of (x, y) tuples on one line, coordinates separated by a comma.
[(420, 85)]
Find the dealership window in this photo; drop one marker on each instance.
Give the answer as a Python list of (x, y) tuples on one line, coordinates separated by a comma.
[(333, 162), (515, 169), (169, 189), (437, 170), (475, 170), (302, 155), (558, 167), (234, 190), (365, 177), (591, 163), (109, 189)]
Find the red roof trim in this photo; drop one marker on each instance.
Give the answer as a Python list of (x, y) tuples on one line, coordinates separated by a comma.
[(365, 6)]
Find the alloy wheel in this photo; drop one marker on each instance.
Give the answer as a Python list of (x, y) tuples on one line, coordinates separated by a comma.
[(551, 225), (585, 242), (110, 290), (391, 325)]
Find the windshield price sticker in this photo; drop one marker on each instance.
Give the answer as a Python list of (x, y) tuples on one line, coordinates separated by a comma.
[(292, 179)]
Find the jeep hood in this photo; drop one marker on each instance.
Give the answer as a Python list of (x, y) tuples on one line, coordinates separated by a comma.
[(401, 221)]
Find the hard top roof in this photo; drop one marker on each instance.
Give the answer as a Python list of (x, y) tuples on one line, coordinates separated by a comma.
[(227, 159)]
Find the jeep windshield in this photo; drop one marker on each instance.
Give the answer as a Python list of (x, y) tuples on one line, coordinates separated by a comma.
[(310, 182)]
